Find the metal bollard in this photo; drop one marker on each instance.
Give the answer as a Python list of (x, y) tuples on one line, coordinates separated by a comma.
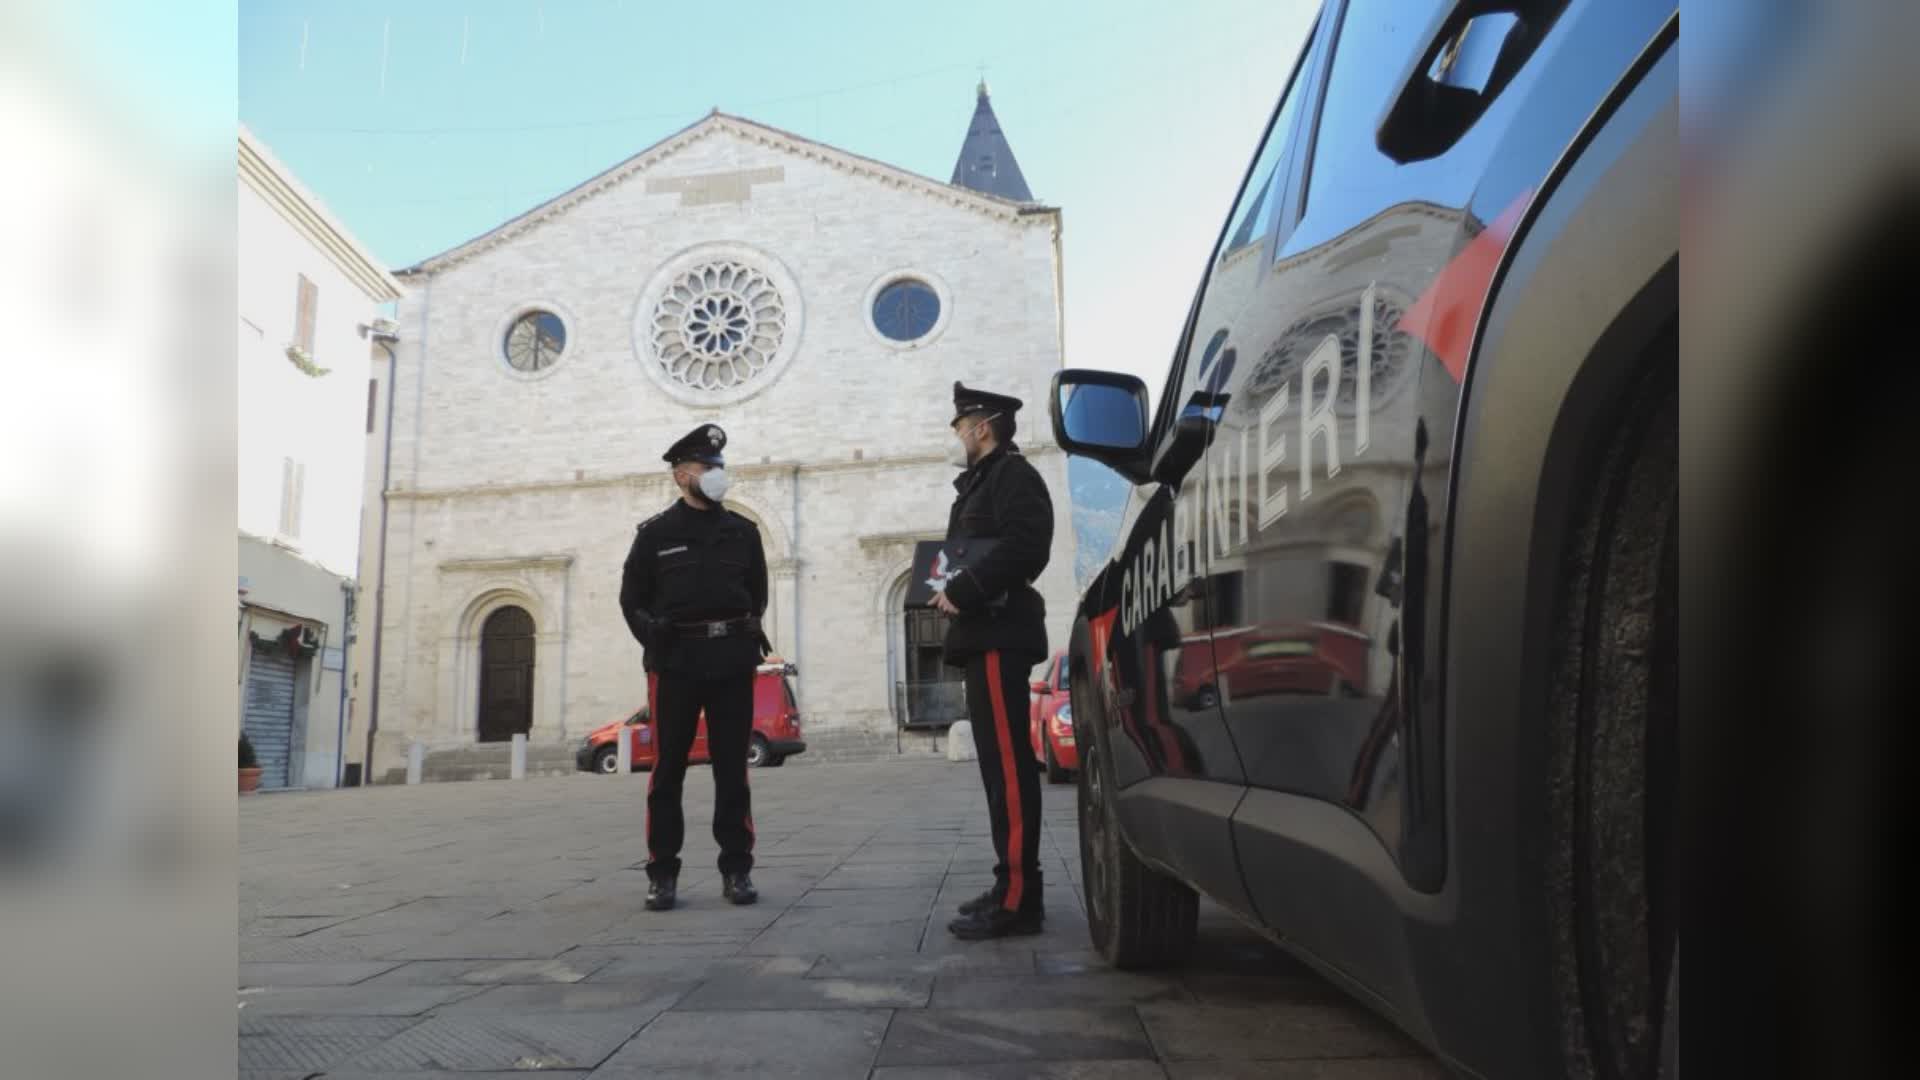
[(518, 770), (416, 761), (624, 755)]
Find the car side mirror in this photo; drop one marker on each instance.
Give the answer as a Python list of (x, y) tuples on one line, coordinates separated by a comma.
[(1102, 415)]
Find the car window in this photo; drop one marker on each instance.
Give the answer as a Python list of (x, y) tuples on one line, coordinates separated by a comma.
[(1253, 227), (1348, 178), (1060, 674), (792, 701), (1254, 216)]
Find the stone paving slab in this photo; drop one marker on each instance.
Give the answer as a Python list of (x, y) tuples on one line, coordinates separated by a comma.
[(1329, 1069), (1186, 1032), (496, 928), (763, 992), (642, 966), (1037, 1070), (504, 1042), (323, 974), (1045, 991), (969, 1036), (350, 1000), (651, 998), (856, 966), (846, 1039), (306, 1045), (437, 1074), (570, 967)]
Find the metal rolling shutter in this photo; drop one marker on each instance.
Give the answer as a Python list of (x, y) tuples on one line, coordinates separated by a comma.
[(269, 720)]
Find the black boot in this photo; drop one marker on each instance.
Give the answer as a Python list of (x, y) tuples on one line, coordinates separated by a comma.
[(738, 888), (997, 922), (989, 899), (660, 893)]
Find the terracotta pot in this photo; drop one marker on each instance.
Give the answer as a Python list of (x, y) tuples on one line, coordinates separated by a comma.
[(249, 781)]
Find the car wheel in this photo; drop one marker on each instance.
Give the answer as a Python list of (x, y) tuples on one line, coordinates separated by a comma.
[(1136, 916), (758, 755), (777, 761), (1614, 735), (1055, 774), (1205, 698), (606, 760)]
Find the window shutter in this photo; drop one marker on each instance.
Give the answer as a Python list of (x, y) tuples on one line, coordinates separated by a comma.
[(292, 482), (305, 309)]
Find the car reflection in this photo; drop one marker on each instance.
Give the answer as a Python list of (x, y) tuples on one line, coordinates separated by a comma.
[(1319, 658)]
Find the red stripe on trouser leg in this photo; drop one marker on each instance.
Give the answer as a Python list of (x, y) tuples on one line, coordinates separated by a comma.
[(1016, 816), (653, 721)]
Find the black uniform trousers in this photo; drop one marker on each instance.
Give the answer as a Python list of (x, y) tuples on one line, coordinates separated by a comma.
[(676, 705), (997, 695)]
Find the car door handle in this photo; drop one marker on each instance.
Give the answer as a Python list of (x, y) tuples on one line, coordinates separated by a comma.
[(1472, 52)]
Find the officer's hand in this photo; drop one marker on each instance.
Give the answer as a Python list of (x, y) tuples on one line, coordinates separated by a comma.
[(941, 602)]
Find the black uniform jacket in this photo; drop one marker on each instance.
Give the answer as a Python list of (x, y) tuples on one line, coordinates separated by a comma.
[(691, 565), (1001, 497)]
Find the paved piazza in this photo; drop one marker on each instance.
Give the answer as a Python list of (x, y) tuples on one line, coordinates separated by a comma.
[(495, 927)]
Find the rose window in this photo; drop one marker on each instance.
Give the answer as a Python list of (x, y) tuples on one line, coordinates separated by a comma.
[(1393, 349), (718, 326)]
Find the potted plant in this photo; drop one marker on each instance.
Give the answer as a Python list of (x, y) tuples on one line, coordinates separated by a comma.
[(249, 767)]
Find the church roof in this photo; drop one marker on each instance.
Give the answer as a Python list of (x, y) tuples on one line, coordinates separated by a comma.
[(986, 160), (717, 122)]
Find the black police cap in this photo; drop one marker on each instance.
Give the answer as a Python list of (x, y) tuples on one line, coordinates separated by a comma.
[(702, 444), (977, 402)]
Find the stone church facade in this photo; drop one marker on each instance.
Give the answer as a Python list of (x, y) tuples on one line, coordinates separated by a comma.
[(817, 305)]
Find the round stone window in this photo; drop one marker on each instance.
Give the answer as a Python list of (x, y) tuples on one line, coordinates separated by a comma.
[(718, 326), (906, 310), (534, 341)]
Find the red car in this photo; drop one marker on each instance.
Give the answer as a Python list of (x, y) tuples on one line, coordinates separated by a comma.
[(1317, 658), (776, 729), (1050, 722)]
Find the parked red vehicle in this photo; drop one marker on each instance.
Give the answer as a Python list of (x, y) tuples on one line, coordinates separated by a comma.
[(1050, 722), (776, 729), (1317, 658)]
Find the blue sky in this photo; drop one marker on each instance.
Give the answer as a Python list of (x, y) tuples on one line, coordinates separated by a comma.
[(426, 122)]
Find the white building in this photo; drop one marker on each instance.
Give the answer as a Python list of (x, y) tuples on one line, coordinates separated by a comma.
[(818, 305), (306, 291)]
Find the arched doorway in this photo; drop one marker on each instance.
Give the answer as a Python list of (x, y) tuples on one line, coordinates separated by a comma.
[(506, 675)]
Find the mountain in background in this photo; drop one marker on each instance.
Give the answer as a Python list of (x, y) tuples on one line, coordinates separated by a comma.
[(1099, 499)]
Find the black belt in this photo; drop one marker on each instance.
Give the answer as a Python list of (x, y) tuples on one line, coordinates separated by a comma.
[(717, 628)]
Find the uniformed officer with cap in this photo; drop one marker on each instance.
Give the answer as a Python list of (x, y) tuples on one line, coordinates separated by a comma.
[(693, 593), (999, 634)]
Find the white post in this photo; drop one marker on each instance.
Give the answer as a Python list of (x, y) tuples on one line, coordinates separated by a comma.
[(518, 770), (416, 761), (625, 754)]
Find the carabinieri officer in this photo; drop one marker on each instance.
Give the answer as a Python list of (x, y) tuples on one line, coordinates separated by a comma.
[(693, 593), (998, 634)]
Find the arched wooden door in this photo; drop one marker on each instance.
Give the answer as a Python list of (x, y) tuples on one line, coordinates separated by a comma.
[(506, 675)]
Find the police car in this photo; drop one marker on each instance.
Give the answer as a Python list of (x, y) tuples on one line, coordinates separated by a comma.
[(1383, 658)]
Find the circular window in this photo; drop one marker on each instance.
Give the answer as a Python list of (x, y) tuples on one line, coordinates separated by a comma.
[(906, 310), (534, 341), (718, 326)]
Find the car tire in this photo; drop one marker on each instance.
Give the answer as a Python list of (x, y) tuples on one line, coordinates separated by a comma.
[(759, 755), (1055, 774), (1614, 731), (606, 760), (1137, 917), (778, 760)]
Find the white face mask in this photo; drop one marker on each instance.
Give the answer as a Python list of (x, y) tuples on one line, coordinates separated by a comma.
[(958, 453), (714, 484)]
